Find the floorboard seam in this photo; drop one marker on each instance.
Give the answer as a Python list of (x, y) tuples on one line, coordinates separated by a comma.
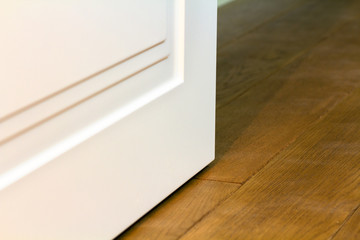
[(316, 121), (216, 180), (347, 219), (206, 214), (319, 119), (242, 183)]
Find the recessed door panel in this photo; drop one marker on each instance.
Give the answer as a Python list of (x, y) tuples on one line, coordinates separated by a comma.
[(47, 46)]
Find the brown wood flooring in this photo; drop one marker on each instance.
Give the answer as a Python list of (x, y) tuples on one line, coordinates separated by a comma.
[(288, 129)]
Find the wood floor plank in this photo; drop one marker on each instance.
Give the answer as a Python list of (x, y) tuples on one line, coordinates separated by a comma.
[(258, 55), (242, 16), (180, 212), (306, 192), (256, 126), (351, 228)]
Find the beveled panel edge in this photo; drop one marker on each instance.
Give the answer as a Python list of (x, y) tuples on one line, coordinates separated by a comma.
[(15, 112), (53, 106), (34, 162), (55, 114)]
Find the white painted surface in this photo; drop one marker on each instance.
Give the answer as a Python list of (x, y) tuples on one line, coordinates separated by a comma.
[(25, 119), (46, 46), (95, 169)]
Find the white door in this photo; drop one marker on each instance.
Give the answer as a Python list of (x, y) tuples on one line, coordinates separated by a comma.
[(106, 107)]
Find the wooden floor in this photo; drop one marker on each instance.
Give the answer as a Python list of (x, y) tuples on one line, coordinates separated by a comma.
[(288, 129)]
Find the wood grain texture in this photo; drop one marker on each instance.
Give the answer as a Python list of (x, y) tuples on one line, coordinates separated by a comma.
[(180, 212), (351, 228), (260, 54), (243, 16), (306, 192), (268, 117)]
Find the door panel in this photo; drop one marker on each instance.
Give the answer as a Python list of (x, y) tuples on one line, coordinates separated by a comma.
[(88, 166), (47, 46)]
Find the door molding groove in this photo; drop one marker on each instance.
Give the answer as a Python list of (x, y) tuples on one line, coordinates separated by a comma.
[(19, 132), (18, 111), (81, 91)]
